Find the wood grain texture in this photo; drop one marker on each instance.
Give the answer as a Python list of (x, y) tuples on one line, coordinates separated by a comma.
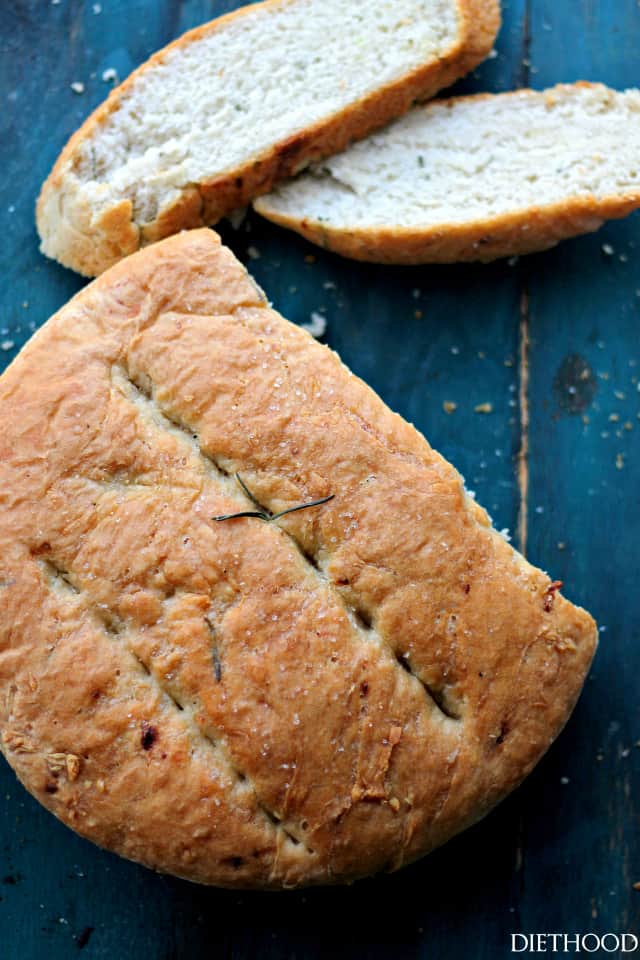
[(555, 856)]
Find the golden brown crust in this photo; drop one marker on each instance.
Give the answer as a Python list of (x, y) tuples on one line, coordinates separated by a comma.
[(519, 232), (527, 231), (239, 702), (88, 242), (482, 18)]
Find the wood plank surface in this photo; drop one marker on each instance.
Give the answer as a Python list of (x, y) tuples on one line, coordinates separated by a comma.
[(551, 343)]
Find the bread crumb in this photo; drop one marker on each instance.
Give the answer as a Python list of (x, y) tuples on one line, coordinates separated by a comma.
[(317, 325), (7, 345), (97, 8), (483, 408), (636, 886), (619, 395), (417, 314), (619, 461), (614, 417), (564, 781), (561, 545), (17, 742), (73, 766), (607, 249), (394, 803), (628, 425), (110, 75), (56, 763), (77, 86), (237, 217), (449, 406)]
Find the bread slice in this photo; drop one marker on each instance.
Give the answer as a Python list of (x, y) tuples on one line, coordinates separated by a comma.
[(474, 178), (253, 701), (219, 115)]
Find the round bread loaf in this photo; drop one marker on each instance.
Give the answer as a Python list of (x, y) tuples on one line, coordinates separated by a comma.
[(254, 701)]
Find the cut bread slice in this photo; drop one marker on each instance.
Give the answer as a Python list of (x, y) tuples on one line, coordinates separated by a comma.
[(473, 178), (218, 116)]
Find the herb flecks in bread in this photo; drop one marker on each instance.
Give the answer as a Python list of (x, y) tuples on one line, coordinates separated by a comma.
[(473, 178), (221, 114), (247, 703)]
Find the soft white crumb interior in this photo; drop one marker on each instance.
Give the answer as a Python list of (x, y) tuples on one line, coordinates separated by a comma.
[(473, 159), (215, 103)]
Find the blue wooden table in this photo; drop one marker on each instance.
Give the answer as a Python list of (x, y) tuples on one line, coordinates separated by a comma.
[(551, 344)]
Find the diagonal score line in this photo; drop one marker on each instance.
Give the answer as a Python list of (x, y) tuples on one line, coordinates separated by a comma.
[(141, 394), (64, 582)]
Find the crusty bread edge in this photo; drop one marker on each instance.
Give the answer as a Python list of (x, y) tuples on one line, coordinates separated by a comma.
[(518, 232), (72, 232), (181, 248)]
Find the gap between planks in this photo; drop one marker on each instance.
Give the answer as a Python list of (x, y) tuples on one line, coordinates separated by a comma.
[(523, 453), (523, 403)]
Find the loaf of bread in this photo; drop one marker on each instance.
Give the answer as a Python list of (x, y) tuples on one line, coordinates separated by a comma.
[(217, 117), (473, 178), (253, 701)]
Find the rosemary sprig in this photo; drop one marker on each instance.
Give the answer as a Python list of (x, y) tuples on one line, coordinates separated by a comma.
[(302, 506), (250, 495), (263, 513)]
